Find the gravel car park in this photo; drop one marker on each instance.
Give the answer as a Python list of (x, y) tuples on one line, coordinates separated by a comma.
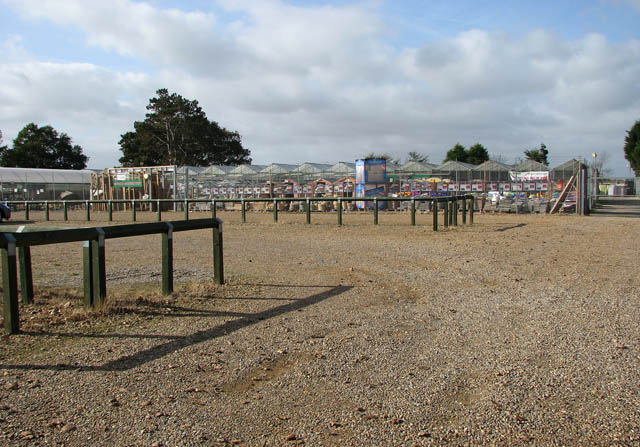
[(518, 330)]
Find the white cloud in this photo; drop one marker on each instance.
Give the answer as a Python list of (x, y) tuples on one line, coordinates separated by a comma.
[(92, 104), (138, 30), (12, 50), (322, 84)]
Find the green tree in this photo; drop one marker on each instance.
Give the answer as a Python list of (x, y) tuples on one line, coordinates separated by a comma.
[(417, 156), (2, 148), (384, 156), (42, 147), (457, 153), (477, 154), (176, 131), (632, 147), (539, 155)]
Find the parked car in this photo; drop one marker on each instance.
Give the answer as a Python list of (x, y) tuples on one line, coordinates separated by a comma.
[(5, 212)]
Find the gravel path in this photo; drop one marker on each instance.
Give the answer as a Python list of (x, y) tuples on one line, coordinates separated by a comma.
[(518, 330)]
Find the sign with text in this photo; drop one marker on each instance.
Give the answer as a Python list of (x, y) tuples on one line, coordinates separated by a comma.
[(127, 183)]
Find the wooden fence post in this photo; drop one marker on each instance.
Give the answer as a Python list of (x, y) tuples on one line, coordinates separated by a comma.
[(434, 208), (167, 260), (26, 276), (87, 273), (46, 210), (275, 210), (26, 210), (218, 267), (450, 212), (308, 210), (464, 210), (110, 210), (455, 212), (413, 212), (446, 213), (98, 269), (375, 211), (10, 285), (339, 211), (186, 209), (87, 211), (133, 211), (243, 211)]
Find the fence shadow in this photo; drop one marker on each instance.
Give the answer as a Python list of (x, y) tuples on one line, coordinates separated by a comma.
[(176, 343), (512, 227)]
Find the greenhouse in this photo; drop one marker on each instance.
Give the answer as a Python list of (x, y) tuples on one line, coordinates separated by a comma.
[(45, 184), (158, 182)]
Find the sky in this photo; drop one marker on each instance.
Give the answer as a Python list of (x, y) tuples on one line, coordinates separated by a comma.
[(326, 81)]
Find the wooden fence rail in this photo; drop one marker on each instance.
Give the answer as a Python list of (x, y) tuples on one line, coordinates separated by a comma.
[(450, 209), (15, 251)]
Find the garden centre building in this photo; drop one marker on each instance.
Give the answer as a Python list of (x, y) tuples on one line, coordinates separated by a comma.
[(274, 180)]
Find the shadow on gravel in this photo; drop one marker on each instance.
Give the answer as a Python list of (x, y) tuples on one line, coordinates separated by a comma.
[(512, 227), (177, 343)]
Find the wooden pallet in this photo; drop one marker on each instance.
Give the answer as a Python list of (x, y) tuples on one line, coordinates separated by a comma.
[(564, 194)]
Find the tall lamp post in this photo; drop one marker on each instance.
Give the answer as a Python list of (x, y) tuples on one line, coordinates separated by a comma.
[(595, 180)]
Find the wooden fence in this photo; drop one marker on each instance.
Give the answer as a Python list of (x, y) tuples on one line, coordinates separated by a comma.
[(452, 206), (15, 252)]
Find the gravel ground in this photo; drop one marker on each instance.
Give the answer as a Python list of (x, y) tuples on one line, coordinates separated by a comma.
[(518, 330)]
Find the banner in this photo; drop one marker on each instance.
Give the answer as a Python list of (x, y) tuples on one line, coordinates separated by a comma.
[(127, 183), (529, 176)]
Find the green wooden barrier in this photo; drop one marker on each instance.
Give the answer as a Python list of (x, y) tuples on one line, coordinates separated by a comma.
[(451, 208), (93, 239)]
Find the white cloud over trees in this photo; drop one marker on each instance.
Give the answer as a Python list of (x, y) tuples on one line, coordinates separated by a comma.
[(323, 83)]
